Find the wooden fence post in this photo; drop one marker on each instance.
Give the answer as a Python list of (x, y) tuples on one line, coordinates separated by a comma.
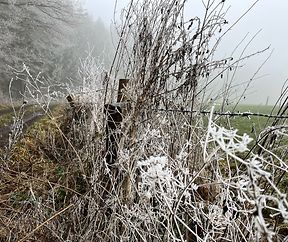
[(114, 117)]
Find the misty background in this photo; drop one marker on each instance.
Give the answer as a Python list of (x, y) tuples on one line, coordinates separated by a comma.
[(57, 40), (267, 18)]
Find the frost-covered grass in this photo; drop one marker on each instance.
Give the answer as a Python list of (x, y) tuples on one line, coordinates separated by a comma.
[(174, 177), (163, 186)]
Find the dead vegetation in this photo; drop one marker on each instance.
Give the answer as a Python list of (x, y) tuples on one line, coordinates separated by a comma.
[(110, 167)]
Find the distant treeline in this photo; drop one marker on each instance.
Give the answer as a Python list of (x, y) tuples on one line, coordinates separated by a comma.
[(49, 37)]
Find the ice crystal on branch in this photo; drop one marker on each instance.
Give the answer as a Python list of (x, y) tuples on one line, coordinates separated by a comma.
[(249, 184), (229, 140)]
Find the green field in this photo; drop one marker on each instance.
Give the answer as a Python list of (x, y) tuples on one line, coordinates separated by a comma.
[(251, 125)]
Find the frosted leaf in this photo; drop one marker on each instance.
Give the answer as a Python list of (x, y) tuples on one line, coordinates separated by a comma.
[(194, 186), (229, 140), (182, 155), (246, 139), (148, 194)]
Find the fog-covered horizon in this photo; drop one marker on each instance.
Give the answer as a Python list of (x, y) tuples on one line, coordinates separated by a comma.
[(267, 18)]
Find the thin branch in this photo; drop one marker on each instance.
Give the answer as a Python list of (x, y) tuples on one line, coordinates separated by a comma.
[(45, 222)]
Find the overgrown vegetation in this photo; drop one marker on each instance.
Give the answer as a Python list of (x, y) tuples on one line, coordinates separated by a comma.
[(98, 170)]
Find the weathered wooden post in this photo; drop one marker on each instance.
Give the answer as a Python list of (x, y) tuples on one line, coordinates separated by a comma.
[(114, 117)]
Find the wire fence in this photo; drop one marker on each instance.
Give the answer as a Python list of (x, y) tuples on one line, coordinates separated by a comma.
[(230, 114)]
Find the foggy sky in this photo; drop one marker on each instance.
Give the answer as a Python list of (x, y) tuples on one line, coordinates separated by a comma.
[(269, 16)]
